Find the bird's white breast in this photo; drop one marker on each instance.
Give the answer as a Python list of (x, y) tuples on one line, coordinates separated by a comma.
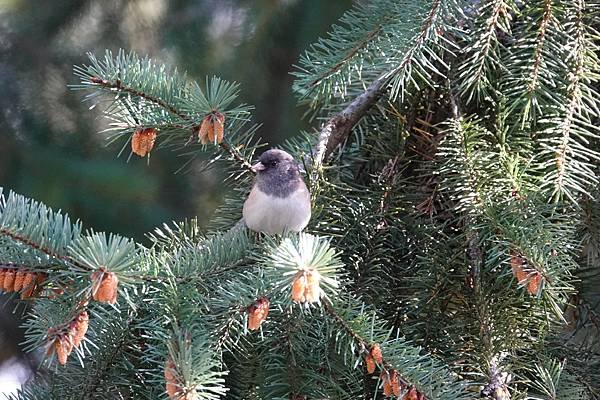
[(273, 215)]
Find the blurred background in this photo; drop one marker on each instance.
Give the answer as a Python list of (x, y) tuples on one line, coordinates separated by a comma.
[(50, 145)]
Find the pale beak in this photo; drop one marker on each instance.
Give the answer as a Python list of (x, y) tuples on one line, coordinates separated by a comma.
[(258, 167)]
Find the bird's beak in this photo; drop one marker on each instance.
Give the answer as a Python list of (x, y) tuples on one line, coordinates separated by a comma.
[(257, 167)]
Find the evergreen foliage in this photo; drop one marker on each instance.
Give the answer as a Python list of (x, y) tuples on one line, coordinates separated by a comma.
[(456, 225)]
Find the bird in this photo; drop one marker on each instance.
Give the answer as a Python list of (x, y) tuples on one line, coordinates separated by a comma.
[(279, 200)]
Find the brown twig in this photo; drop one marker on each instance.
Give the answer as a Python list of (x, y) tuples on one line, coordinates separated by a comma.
[(236, 155), (136, 93)]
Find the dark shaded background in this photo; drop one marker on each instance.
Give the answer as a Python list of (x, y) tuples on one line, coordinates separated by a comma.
[(50, 145)]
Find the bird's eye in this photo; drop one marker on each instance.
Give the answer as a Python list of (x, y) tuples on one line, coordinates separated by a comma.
[(273, 163)]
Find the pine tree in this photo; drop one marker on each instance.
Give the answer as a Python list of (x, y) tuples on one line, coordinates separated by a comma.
[(455, 227)]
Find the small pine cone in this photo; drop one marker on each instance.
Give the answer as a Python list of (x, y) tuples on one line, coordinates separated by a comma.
[(395, 382), (80, 328), (105, 286), (212, 128), (412, 394), (517, 262), (218, 127), (521, 276), (28, 280), (9, 280), (376, 353), (387, 385), (2, 276), (32, 284), (257, 313), (252, 320), (535, 283), (61, 349), (305, 287), (72, 332), (143, 140), (370, 363), (19, 278), (206, 130), (172, 385), (299, 287), (313, 290)]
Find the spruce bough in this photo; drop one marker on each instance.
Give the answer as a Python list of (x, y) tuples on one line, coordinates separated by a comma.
[(455, 226)]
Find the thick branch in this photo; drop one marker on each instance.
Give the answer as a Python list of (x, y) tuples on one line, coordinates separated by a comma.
[(337, 129)]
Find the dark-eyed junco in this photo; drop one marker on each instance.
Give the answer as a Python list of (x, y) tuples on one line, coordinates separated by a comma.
[(279, 200)]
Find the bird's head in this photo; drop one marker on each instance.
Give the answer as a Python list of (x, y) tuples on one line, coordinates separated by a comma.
[(275, 162)]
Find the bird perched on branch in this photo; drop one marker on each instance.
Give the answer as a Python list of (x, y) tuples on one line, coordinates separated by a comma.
[(279, 200)]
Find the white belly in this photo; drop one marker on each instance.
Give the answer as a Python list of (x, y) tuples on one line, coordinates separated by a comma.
[(274, 215)]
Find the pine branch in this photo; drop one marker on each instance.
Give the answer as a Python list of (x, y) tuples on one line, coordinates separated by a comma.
[(37, 246), (337, 128), (445, 280), (405, 47), (95, 381), (118, 85), (328, 64), (424, 32), (360, 341), (467, 164), (351, 53), (484, 59), (421, 61), (38, 227), (540, 41), (570, 156), (536, 66)]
